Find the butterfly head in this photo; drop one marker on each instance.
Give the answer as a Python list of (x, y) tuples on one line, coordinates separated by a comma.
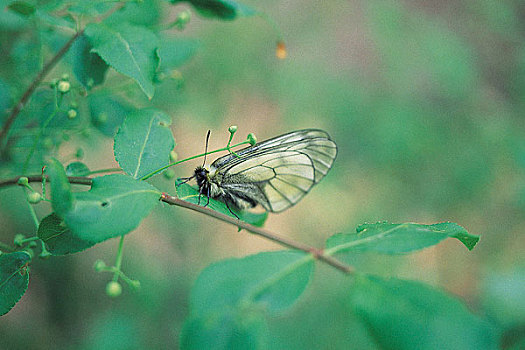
[(201, 175)]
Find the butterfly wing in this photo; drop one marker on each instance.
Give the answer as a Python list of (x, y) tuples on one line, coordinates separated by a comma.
[(277, 172)]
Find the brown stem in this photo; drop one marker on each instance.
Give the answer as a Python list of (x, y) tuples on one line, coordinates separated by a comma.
[(317, 253), (166, 198), (79, 180)]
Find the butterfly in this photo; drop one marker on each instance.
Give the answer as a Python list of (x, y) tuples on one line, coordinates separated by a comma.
[(274, 173)]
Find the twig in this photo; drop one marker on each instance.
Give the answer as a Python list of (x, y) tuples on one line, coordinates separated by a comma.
[(79, 180), (317, 253), (166, 198)]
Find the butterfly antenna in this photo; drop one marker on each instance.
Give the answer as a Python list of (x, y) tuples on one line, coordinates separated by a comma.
[(206, 149)]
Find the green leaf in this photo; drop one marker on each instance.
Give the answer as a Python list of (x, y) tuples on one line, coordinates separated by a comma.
[(222, 9), (77, 169), (225, 330), (61, 196), (114, 206), (88, 67), (107, 112), (14, 279), (229, 300), (190, 194), (131, 50), (410, 315), (58, 238), (272, 281), (144, 142), (46, 16), (89, 8), (388, 238), (23, 8), (175, 52)]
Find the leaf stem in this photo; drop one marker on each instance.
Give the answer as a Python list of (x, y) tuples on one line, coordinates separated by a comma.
[(118, 262), (145, 177)]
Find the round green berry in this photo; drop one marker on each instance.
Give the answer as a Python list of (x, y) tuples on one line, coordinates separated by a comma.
[(34, 197), (99, 265), (113, 289), (72, 114), (173, 156), (63, 86), (44, 255), (19, 240), (22, 181), (252, 139)]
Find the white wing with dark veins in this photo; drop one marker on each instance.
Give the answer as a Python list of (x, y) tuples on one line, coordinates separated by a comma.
[(278, 172)]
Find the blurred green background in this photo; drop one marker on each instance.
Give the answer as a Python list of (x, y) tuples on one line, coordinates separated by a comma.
[(425, 100)]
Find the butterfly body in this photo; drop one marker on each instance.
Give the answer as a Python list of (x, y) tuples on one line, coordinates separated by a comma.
[(275, 173)]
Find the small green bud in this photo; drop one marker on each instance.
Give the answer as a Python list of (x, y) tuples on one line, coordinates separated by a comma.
[(102, 118), (184, 16), (53, 83), (169, 174), (232, 129), (99, 265), (32, 244), (47, 143), (34, 197), (252, 139), (113, 289), (44, 255), (173, 156), (18, 241), (71, 114), (79, 154), (135, 284), (182, 19), (63, 86), (65, 77), (90, 83), (22, 181)]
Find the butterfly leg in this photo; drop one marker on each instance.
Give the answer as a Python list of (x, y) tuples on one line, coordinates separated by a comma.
[(184, 180), (208, 194), (227, 206)]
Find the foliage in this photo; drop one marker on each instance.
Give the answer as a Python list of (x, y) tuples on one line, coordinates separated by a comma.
[(79, 76)]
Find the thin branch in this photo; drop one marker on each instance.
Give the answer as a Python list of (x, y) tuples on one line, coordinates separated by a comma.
[(317, 253), (166, 198), (78, 180)]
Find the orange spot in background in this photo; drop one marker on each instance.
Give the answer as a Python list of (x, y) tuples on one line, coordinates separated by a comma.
[(280, 51)]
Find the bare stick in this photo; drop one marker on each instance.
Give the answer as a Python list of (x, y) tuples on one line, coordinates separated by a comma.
[(317, 253), (166, 198)]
